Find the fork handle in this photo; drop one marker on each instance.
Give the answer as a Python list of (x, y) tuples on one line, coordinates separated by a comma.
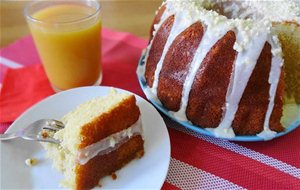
[(8, 136)]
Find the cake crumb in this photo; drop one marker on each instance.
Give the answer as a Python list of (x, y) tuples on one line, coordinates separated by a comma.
[(31, 161), (99, 184), (114, 176), (140, 154), (45, 134)]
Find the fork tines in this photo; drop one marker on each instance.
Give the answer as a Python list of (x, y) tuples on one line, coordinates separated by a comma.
[(54, 125)]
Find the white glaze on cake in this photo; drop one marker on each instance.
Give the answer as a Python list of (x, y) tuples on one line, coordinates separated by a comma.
[(277, 11), (274, 77), (109, 143), (252, 25)]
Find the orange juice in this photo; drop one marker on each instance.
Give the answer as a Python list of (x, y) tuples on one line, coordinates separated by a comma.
[(68, 42)]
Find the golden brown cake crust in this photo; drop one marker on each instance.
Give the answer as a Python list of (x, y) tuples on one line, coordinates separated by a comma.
[(250, 117), (155, 53), (157, 19), (120, 118), (176, 65), (207, 96), (88, 175)]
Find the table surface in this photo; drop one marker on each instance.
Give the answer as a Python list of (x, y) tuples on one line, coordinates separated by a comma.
[(198, 161), (134, 16)]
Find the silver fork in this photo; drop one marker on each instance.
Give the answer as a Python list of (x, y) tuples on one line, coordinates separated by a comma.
[(37, 131)]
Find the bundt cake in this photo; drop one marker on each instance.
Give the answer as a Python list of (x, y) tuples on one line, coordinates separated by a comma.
[(218, 64), (100, 137)]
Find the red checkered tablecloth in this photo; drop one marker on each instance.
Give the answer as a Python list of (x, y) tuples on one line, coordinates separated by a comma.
[(197, 161)]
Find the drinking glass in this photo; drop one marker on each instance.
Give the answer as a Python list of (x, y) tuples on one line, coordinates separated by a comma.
[(67, 35)]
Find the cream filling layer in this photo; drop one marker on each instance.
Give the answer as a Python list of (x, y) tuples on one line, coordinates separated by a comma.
[(109, 143)]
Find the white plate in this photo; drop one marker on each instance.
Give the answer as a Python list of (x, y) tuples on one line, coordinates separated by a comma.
[(149, 172)]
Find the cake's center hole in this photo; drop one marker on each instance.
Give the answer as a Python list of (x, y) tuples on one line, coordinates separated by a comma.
[(233, 10)]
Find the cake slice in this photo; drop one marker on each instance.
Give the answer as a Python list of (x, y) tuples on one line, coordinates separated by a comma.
[(100, 137)]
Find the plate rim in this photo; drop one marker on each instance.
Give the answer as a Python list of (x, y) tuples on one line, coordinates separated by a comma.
[(164, 126), (185, 124)]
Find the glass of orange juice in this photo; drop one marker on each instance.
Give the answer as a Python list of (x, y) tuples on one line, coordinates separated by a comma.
[(67, 34)]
